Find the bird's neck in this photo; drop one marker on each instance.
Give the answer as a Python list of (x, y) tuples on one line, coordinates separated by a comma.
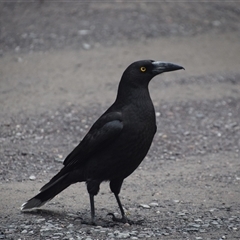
[(132, 94)]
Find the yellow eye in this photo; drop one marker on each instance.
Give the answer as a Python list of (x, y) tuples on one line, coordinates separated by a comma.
[(143, 69)]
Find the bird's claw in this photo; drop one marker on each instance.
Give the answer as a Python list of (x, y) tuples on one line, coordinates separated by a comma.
[(123, 219)]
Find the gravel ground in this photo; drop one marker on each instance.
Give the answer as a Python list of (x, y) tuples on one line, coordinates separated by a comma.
[(184, 129), (187, 132), (188, 185)]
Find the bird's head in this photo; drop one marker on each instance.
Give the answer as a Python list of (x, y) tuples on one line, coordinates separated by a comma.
[(141, 72)]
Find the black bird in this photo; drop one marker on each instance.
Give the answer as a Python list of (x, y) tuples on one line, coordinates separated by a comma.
[(116, 143)]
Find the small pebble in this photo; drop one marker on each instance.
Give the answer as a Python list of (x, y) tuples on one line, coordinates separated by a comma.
[(123, 235), (83, 32), (17, 49), (70, 226), (40, 220), (206, 225), (194, 225), (216, 23), (212, 209), (86, 46), (32, 177), (145, 206), (165, 234), (198, 220), (153, 204), (19, 59), (58, 234), (60, 160), (181, 214), (133, 233)]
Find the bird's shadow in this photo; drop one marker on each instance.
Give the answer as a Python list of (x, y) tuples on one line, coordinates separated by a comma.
[(45, 213), (78, 218)]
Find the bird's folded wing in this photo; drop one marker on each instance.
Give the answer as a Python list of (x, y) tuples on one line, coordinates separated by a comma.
[(102, 133)]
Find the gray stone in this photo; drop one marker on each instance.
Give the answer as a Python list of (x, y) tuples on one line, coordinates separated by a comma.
[(123, 235), (145, 206), (153, 204)]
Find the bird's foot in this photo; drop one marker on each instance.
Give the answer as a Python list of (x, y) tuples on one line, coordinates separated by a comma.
[(121, 220), (124, 219)]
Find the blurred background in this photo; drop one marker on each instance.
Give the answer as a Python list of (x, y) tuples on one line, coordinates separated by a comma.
[(70, 49), (43, 25)]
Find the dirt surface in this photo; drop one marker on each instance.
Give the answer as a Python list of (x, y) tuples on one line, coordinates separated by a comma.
[(60, 64)]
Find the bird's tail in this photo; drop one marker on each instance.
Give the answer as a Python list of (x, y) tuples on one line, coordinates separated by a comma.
[(47, 192)]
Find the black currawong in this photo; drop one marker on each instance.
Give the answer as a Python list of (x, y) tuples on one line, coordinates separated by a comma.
[(116, 143)]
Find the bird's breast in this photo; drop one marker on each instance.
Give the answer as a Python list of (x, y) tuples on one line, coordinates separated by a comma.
[(124, 154), (138, 131)]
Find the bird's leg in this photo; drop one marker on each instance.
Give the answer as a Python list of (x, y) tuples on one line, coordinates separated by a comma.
[(123, 219), (120, 205), (115, 186), (92, 209), (93, 189)]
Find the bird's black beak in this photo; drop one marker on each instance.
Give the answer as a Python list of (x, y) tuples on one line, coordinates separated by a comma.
[(161, 67)]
